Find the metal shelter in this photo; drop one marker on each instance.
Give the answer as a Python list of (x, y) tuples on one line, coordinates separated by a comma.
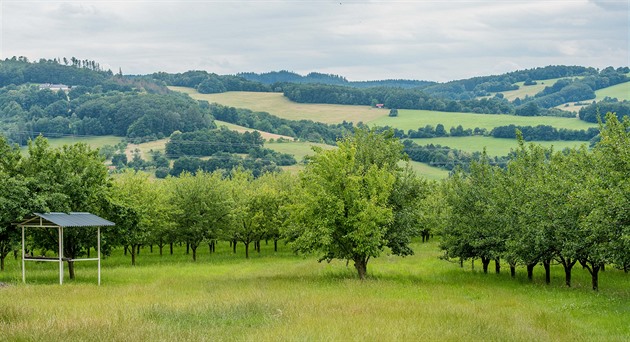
[(61, 221)]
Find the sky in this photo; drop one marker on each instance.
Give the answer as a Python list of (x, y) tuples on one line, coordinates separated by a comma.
[(360, 40)]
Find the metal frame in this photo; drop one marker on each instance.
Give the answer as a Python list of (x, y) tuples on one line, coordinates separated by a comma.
[(60, 259)]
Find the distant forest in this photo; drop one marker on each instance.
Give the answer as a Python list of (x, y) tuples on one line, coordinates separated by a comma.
[(142, 108), (475, 95)]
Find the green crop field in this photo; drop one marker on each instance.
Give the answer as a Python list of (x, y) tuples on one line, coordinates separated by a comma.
[(620, 91), (277, 104), (494, 146), (280, 296), (414, 119)]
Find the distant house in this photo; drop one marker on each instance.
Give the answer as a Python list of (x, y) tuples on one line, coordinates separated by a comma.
[(54, 86), (379, 105)]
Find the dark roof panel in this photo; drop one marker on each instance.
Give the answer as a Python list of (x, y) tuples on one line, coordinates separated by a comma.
[(75, 219)]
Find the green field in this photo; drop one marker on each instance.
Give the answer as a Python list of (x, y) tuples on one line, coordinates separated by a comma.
[(92, 141), (302, 149), (277, 104), (531, 90), (414, 119), (427, 171), (278, 297), (299, 149), (494, 146), (620, 91)]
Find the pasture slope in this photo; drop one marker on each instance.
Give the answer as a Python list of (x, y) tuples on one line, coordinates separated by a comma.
[(277, 104), (281, 296), (494, 146)]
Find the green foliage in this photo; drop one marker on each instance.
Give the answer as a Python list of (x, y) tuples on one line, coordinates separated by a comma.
[(201, 207), (346, 207), (567, 206)]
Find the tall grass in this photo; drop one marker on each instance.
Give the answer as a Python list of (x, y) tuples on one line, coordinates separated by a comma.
[(280, 296)]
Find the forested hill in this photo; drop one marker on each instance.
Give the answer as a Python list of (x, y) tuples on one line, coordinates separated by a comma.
[(76, 97), (284, 76), (477, 95)]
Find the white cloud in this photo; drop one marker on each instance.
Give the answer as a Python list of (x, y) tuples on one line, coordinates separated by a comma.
[(357, 39)]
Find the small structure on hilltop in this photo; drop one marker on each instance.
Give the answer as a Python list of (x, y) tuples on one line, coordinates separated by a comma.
[(54, 86), (61, 221)]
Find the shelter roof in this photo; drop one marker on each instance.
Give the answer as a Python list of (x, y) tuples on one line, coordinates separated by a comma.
[(72, 219)]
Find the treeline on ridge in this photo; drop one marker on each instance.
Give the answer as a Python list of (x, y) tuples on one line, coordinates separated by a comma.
[(96, 103)]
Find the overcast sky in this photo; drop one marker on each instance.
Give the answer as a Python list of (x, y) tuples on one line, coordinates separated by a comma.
[(361, 40)]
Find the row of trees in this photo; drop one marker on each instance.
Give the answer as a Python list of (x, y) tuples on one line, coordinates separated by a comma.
[(543, 133), (592, 112), (208, 142), (349, 203), (546, 206), (306, 130)]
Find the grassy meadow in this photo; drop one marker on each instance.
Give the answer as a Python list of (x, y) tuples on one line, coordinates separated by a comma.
[(530, 90), (620, 91), (494, 146), (277, 104), (92, 141), (280, 296), (414, 119)]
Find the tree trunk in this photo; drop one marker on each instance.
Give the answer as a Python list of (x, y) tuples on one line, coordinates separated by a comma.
[(275, 246), (234, 246), (360, 263), (594, 271), (161, 248), (171, 247), (530, 271), (187, 248), (594, 277), (210, 247), (138, 248), (133, 256), (625, 268), (2, 262), (246, 249), (485, 262), (88, 252), (512, 271), (15, 253), (194, 250), (126, 248), (151, 248), (71, 269), (258, 246), (497, 265), (567, 264), (547, 266)]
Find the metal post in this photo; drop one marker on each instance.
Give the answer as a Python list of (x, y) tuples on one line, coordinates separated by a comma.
[(23, 267), (98, 244), (60, 255)]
